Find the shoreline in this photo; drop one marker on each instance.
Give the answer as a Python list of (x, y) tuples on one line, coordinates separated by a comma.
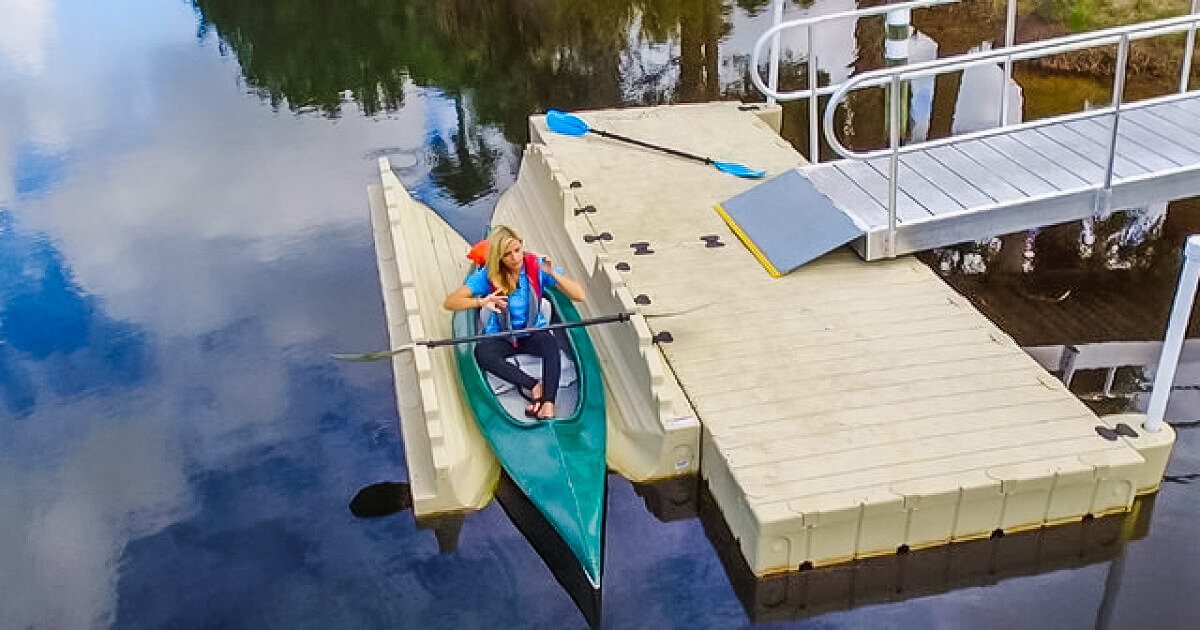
[(1158, 57), (1147, 58)]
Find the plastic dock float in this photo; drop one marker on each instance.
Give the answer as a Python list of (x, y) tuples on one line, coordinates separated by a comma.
[(652, 431), (420, 259), (849, 409)]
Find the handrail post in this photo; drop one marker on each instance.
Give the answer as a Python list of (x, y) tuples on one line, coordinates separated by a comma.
[(1118, 97), (1010, 33), (894, 162), (1185, 295), (1185, 73), (814, 144), (773, 72)]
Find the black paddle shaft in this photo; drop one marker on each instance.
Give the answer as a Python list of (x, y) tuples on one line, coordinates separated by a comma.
[(605, 319), (676, 152)]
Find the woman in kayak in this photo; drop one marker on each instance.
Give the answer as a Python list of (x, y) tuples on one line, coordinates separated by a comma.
[(508, 287)]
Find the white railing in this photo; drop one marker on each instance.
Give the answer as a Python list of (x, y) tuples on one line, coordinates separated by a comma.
[(813, 93), (895, 76)]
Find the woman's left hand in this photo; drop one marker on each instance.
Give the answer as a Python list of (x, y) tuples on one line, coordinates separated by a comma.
[(573, 289)]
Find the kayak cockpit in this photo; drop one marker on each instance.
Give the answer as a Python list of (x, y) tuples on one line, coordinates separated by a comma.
[(513, 400)]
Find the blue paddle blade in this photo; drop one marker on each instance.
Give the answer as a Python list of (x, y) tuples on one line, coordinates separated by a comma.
[(566, 124), (572, 125), (741, 170)]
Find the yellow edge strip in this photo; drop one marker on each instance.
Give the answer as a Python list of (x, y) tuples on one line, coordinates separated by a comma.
[(762, 259)]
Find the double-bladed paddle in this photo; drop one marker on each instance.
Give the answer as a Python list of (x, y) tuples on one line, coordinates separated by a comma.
[(572, 125), (434, 343)]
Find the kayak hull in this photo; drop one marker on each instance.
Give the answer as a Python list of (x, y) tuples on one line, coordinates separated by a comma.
[(559, 465)]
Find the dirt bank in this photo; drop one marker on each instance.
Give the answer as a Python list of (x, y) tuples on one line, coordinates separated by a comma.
[(1160, 56)]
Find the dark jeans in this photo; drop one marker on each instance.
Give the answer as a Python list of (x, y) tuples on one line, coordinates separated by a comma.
[(491, 354)]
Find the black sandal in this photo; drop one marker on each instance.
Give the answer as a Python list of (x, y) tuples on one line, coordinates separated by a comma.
[(535, 404), (534, 409)]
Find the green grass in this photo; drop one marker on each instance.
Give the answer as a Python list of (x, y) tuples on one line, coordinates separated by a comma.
[(1087, 15)]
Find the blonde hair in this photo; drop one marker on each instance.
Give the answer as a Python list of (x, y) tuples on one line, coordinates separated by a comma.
[(498, 241)]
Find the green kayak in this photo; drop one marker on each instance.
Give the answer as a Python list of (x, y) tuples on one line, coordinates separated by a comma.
[(559, 464)]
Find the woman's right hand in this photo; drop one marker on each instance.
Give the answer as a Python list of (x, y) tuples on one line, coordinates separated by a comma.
[(494, 301)]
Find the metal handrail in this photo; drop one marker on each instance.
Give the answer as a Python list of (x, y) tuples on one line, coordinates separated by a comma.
[(813, 93), (1121, 36), (1033, 50)]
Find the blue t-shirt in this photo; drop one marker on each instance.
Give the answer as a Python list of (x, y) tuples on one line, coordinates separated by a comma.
[(518, 302)]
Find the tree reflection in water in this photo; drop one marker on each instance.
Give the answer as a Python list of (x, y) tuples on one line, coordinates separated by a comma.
[(517, 57), (498, 62)]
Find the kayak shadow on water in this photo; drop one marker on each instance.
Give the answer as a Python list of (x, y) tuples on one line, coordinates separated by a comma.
[(552, 549), (392, 497)]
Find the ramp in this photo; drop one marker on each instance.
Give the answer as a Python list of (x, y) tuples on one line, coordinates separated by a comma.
[(956, 190), (787, 222)]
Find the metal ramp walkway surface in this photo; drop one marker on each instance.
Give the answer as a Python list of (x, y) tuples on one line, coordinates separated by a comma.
[(904, 199), (975, 188)]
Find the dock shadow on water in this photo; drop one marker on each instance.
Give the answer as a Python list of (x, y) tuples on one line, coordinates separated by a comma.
[(382, 499), (810, 592), (672, 499), (392, 497)]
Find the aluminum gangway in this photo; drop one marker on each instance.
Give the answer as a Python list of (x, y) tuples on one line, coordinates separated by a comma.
[(1015, 177)]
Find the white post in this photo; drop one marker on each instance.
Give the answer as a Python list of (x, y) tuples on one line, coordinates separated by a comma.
[(899, 30), (1164, 377), (1010, 34), (1118, 97), (893, 162), (1185, 72), (773, 72), (895, 53), (814, 144)]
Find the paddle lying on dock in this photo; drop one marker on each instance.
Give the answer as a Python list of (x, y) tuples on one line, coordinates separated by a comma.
[(572, 125), (434, 343)]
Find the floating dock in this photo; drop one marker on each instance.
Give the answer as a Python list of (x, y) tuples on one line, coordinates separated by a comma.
[(847, 410)]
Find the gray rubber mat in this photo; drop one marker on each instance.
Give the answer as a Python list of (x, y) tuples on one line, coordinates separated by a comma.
[(786, 222)]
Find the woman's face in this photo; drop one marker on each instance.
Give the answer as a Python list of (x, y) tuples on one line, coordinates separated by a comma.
[(514, 252)]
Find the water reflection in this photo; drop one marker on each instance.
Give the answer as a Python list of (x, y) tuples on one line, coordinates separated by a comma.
[(178, 258), (512, 57), (157, 327), (47, 313)]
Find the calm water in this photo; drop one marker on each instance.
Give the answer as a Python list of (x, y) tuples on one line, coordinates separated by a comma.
[(184, 240)]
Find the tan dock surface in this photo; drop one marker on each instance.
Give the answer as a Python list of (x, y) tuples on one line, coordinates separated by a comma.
[(850, 408)]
